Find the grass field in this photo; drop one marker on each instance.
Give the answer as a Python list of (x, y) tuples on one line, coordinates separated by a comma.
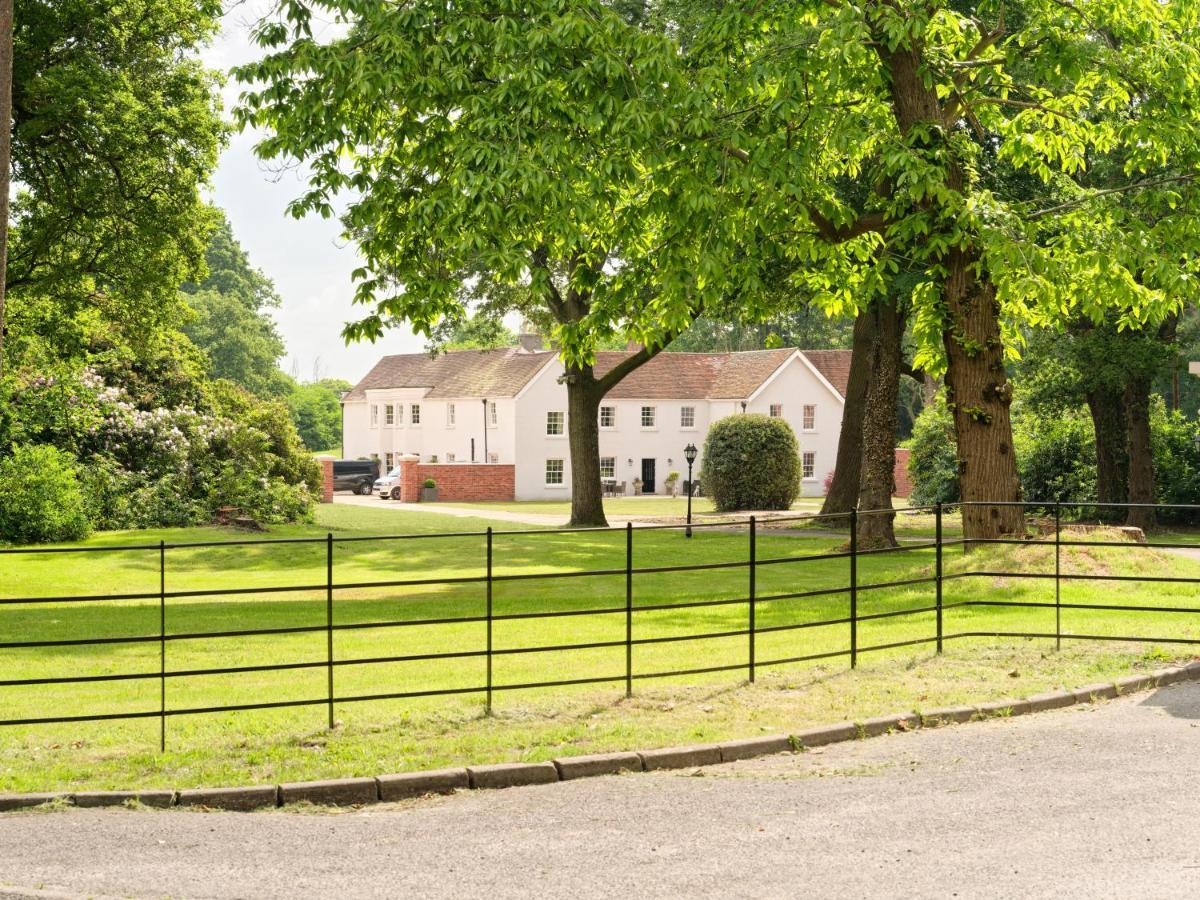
[(398, 735)]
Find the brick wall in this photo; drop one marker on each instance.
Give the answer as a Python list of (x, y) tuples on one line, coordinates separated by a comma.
[(458, 482), (326, 480), (900, 473)]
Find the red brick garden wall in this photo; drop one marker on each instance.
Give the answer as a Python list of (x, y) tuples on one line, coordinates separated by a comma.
[(461, 482), (900, 473), (326, 480)]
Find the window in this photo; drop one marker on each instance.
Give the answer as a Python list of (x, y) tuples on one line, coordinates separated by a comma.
[(415, 418), (809, 465), (399, 413), (809, 419), (554, 422), (493, 414), (389, 458), (374, 415), (648, 416), (450, 457), (449, 415), (776, 410), (608, 467), (554, 471), (687, 417), (389, 415), (608, 417), (493, 457)]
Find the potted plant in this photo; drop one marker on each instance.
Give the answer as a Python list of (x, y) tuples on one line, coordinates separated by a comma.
[(672, 484), (637, 487), (429, 491)]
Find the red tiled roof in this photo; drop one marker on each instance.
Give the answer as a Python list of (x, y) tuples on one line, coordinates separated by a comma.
[(685, 376), (458, 373)]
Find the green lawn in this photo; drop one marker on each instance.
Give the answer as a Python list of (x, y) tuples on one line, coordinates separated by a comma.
[(398, 735), (623, 506)]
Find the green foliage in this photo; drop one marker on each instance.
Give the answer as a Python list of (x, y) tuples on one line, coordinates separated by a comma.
[(41, 498), (1056, 455), (1176, 463), (316, 410), (480, 331), (116, 130), (751, 462), (429, 483), (231, 321), (933, 461)]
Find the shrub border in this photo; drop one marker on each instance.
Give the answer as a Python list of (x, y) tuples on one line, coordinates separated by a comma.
[(408, 785)]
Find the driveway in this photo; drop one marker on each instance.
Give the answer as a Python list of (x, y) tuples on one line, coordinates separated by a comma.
[(1089, 801)]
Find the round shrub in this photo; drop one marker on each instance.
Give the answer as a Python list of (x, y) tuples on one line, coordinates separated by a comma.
[(751, 462), (41, 496)]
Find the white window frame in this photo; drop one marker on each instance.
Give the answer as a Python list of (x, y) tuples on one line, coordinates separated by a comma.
[(389, 459), (451, 413), (414, 415), (808, 464), (775, 410), (451, 457), (683, 423), (560, 471), (612, 469), (808, 417), (612, 418), (374, 415), (560, 422), (653, 410), (493, 414), (389, 414)]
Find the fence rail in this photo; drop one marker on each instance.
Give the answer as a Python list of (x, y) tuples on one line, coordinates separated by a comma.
[(752, 599)]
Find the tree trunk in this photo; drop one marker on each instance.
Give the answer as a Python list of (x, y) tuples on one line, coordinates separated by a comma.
[(1141, 454), (583, 430), (879, 429), (6, 66), (1112, 462), (847, 473), (978, 391), (979, 396)]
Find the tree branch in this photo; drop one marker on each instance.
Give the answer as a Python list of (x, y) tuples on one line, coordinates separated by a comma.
[(1137, 185), (838, 234)]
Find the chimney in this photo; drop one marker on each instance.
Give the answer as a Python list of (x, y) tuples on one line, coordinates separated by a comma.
[(632, 346), (530, 341)]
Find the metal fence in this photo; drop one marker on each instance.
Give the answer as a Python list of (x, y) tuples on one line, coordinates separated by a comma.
[(626, 606)]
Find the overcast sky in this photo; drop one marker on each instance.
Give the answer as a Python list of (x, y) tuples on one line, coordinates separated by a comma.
[(308, 263)]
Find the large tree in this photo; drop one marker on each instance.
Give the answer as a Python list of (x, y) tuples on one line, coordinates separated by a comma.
[(521, 143), (116, 129), (918, 105)]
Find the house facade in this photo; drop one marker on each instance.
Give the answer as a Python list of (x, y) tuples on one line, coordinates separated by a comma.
[(508, 407)]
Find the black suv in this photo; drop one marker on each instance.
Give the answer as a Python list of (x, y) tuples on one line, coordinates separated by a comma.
[(356, 475)]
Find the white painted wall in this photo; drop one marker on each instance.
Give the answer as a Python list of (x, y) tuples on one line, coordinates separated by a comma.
[(520, 433)]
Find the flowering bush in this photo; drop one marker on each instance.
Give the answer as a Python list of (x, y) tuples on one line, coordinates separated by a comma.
[(164, 465)]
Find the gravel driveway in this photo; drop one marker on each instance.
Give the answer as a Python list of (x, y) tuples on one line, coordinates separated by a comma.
[(1090, 801)]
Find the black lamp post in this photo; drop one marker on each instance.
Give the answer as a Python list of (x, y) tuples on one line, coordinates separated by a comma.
[(689, 453)]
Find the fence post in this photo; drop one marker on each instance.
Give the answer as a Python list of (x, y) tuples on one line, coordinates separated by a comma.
[(854, 588), (937, 511), (1057, 572), (628, 610), (753, 567), (162, 646), (489, 620), (329, 619)]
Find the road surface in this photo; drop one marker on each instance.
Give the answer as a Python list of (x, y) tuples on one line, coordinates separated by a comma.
[(1090, 801)]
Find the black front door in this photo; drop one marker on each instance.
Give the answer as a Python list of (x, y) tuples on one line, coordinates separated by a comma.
[(647, 476)]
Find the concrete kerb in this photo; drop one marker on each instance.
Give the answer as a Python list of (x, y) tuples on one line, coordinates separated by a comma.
[(388, 788)]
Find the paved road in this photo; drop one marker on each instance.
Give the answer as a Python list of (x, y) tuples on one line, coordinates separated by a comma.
[(1090, 801)]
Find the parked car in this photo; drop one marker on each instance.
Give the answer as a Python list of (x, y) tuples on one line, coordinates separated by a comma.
[(388, 486), (356, 475)]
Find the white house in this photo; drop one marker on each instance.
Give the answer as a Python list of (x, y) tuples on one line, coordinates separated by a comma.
[(507, 407)]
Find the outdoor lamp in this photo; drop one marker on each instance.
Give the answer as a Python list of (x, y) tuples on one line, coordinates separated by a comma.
[(689, 453)]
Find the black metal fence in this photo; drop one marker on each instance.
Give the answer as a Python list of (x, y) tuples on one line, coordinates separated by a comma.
[(626, 606)]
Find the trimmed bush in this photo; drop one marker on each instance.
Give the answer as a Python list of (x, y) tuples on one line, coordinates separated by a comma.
[(1056, 456), (41, 496), (751, 462), (933, 462)]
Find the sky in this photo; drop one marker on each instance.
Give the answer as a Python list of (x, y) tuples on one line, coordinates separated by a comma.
[(305, 258)]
